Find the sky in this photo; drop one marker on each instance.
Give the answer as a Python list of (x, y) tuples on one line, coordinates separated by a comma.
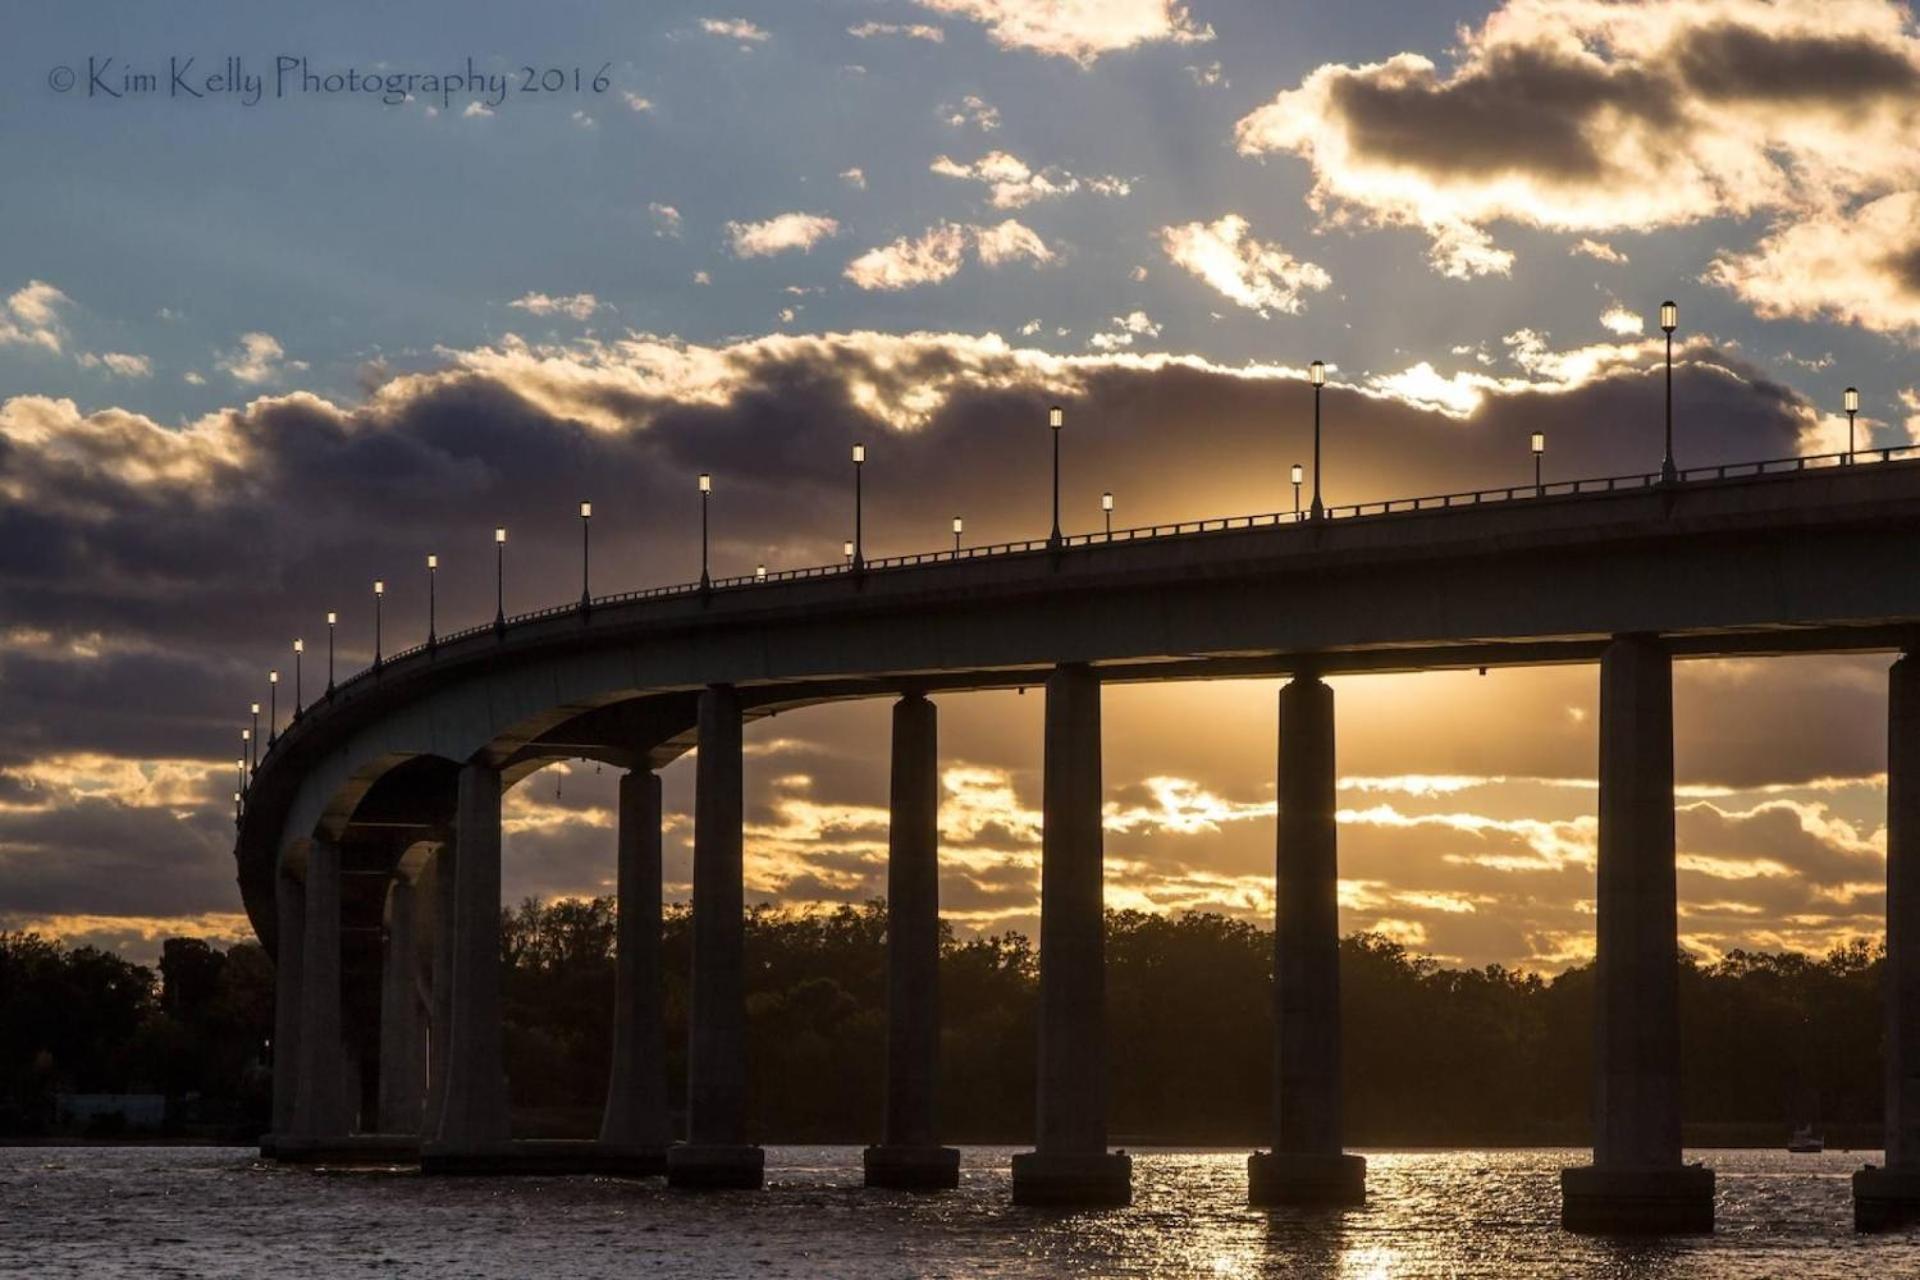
[(290, 298)]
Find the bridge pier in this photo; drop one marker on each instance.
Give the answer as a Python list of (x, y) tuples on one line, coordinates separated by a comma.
[(1070, 1164), (323, 1110), (290, 913), (1637, 1181), (1308, 1164), (475, 1125), (440, 985), (716, 1154), (909, 1155), (1889, 1197), (403, 1043), (636, 1129)]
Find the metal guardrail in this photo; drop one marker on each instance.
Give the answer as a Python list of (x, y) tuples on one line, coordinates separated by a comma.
[(1185, 528)]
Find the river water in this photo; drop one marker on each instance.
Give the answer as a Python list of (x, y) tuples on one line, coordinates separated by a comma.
[(157, 1211)]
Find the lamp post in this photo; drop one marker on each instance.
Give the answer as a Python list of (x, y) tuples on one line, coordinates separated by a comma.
[(1299, 474), (299, 647), (1669, 321), (379, 591), (273, 706), (433, 571), (253, 735), (499, 579), (1056, 418), (332, 619), (760, 573), (1852, 401), (1106, 510), (706, 492), (236, 808), (959, 527), (1539, 449), (859, 544), (1317, 374), (846, 549), (240, 767), (586, 523)]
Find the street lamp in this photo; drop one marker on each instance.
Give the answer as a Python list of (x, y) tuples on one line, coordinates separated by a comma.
[(433, 571), (246, 741), (332, 619), (379, 591), (1669, 321), (1539, 449), (1056, 418), (1299, 474), (1317, 374), (586, 522), (760, 573), (859, 545), (1106, 510), (846, 549), (299, 647), (499, 579), (1852, 402), (273, 706), (706, 492), (959, 527)]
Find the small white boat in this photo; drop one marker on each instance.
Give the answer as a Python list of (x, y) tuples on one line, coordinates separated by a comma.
[(1805, 1141)]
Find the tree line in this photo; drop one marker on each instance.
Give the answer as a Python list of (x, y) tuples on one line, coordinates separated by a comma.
[(1432, 1055)]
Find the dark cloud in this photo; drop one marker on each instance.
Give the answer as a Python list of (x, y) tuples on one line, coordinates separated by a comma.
[(1729, 61)]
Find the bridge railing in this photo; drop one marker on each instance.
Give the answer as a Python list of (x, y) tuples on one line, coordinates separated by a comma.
[(1189, 528)]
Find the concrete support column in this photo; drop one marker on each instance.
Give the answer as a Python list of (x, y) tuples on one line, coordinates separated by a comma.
[(439, 881), (290, 910), (402, 1030), (1889, 1197), (910, 1156), (1070, 1164), (1637, 1182), (474, 1123), (323, 1110), (1307, 1164), (636, 1128), (716, 1153)]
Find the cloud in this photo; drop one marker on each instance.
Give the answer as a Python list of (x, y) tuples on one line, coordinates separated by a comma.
[(735, 29), (119, 362), (1599, 251), (475, 111), (1260, 277), (578, 305), (910, 30), (635, 101), (1210, 76), (1580, 117), (1618, 319), (1135, 324), (971, 110), (1011, 183), (855, 177), (779, 234), (666, 220), (1858, 266), (937, 254), (31, 317), (1082, 30), (258, 359)]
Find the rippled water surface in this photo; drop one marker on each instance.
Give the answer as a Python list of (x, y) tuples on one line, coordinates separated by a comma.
[(129, 1211)]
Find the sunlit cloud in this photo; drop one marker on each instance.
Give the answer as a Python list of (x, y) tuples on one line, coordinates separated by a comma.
[(31, 317), (939, 252), (1011, 183), (578, 305), (666, 220), (258, 359), (971, 111), (779, 234), (1082, 30), (1260, 276), (908, 30), (117, 362), (735, 29), (1581, 117)]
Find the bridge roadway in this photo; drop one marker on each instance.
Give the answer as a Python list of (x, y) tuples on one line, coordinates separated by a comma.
[(368, 849)]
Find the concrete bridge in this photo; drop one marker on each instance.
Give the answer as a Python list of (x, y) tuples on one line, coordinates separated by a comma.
[(369, 845)]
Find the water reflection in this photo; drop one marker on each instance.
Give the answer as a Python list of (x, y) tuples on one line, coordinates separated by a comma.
[(134, 1212)]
